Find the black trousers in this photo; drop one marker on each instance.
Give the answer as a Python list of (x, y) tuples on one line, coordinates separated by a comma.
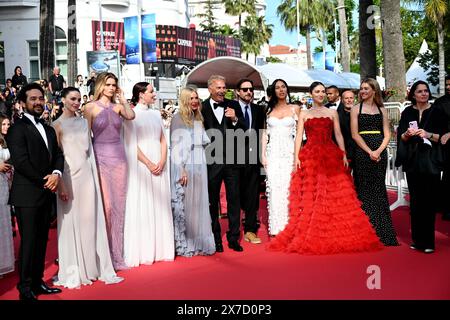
[(230, 176), (423, 194), (445, 183), (249, 193), (34, 224)]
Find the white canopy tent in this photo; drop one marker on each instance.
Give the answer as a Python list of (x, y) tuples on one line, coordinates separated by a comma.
[(416, 72), (233, 69)]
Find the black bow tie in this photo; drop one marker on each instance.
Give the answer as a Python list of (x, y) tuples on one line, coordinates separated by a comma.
[(217, 105), (39, 120), (332, 104)]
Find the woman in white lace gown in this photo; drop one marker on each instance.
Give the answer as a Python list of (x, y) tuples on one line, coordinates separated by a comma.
[(83, 248), (148, 231), (6, 238), (278, 153)]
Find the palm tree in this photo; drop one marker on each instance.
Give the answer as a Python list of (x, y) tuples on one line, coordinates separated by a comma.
[(237, 8), (72, 63), (394, 57), (436, 11), (254, 34), (47, 37), (227, 30), (345, 51), (367, 41), (323, 22), (310, 11), (209, 23)]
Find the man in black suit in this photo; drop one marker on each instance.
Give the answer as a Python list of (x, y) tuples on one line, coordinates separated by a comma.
[(334, 98), (38, 164), (254, 118), (221, 119), (348, 98)]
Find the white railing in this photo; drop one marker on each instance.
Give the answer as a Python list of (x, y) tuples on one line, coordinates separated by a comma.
[(395, 178)]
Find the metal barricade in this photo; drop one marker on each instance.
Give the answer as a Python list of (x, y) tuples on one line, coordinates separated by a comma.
[(395, 178)]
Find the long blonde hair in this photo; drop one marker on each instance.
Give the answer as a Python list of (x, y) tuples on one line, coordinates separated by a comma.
[(100, 83), (376, 88), (185, 110)]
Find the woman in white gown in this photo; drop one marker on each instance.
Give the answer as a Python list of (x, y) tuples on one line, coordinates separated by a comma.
[(149, 232), (278, 153), (6, 238), (83, 248)]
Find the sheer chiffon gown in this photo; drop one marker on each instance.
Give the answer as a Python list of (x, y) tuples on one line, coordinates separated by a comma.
[(112, 168), (83, 248), (325, 215), (6, 237)]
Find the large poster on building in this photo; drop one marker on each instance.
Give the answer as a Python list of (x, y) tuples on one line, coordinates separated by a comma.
[(113, 36), (209, 45), (233, 47), (185, 49), (166, 42), (103, 61), (133, 54), (148, 25)]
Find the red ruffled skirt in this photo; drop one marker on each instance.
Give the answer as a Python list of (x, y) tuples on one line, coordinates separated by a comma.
[(325, 215)]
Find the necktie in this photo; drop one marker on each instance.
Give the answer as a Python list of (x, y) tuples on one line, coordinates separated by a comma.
[(217, 105), (247, 118)]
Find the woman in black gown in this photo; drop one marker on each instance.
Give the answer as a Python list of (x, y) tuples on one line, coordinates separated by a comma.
[(370, 130)]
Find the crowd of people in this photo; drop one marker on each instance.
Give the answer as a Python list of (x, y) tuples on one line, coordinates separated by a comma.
[(129, 192)]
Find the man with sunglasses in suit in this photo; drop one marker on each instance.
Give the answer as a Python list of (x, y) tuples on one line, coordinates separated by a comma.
[(254, 119)]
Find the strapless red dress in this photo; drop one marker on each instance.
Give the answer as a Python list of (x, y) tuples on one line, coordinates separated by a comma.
[(325, 215)]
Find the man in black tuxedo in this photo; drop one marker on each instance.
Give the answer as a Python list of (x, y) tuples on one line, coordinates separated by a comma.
[(221, 118), (348, 98), (333, 97), (254, 119), (38, 164)]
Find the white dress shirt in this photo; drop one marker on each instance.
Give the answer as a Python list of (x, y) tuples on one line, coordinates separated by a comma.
[(41, 130), (218, 112)]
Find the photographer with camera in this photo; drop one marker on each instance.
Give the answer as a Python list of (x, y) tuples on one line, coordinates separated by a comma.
[(56, 83)]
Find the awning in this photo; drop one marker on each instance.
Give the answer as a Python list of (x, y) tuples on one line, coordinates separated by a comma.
[(233, 69)]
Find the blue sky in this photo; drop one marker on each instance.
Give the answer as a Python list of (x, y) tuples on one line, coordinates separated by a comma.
[(280, 35)]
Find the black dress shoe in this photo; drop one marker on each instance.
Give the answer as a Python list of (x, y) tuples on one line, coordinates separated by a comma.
[(27, 296), (235, 246), (44, 289), (219, 247)]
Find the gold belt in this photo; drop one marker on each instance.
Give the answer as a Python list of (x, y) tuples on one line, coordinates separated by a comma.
[(370, 132)]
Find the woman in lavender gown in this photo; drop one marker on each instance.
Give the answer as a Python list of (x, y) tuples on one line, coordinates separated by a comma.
[(105, 118)]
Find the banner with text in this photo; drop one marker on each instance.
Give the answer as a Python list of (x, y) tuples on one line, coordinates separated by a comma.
[(113, 36)]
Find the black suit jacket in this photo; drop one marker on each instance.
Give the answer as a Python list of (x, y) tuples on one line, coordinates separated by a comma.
[(253, 144), (210, 122), (344, 123), (32, 161)]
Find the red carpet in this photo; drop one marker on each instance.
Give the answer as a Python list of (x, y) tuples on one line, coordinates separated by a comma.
[(257, 274)]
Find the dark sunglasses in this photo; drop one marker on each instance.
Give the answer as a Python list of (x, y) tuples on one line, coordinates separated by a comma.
[(246, 89)]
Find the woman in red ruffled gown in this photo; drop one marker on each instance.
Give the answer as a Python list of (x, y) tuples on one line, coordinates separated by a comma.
[(325, 215)]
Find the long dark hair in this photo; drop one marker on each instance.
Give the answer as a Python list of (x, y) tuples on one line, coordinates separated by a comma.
[(138, 88), (273, 97), (315, 84), (413, 89), (66, 91)]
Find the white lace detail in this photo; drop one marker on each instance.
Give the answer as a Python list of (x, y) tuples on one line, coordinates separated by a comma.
[(280, 161)]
